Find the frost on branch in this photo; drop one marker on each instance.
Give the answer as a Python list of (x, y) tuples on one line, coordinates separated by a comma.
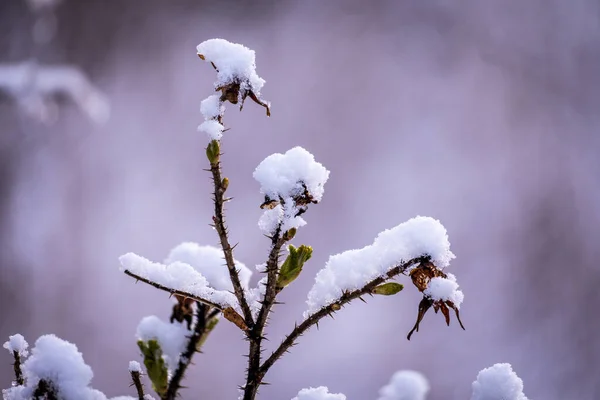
[(17, 344), (289, 182), (209, 262), (498, 382), (172, 338), (178, 276), (36, 89), (353, 269), (319, 393), (405, 385)]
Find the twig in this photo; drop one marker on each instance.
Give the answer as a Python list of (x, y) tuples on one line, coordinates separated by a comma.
[(328, 310), (17, 368), (219, 223), (44, 390), (137, 382), (203, 317), (254, 377), (174, 291)]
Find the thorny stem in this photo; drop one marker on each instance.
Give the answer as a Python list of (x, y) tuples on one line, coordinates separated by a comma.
[(44, 390), (204, 315), (137, 382), (330, 309), (174, 291), (254, 377), (219, 223), (17, 368)]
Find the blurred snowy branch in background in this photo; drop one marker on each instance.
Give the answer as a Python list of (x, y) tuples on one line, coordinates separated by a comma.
[(38, 89)]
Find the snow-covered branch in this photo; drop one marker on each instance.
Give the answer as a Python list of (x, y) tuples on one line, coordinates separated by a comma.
[(37, 88)]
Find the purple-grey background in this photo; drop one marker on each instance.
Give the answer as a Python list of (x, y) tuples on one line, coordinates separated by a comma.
[(483, 114)]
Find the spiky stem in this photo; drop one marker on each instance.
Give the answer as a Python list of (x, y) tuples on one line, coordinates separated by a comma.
[(219, 224), (137, 382), (17, 368), (346, 298), (254, 376), (174, 291), (204, 315)]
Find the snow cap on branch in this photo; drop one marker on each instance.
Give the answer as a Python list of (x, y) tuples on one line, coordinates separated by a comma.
[(179, 276), (319, 393), (235, 63), (445, 289), (172, 338), (135, 366), (209, 262), (405, 385), (352, 269), (498, 382), (289, 174), (61, 365), (17, 343)]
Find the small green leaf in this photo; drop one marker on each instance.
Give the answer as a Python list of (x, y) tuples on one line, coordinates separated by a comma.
[(213, 151), (155, 365), (211, 325), (292, 266), (388, 289)]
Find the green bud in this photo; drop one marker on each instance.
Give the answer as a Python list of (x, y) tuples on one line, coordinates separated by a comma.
[(388, 289), (292, 266), (211, 325), (155, 365), (225, 183), (213, 151), (336, 307), (289, 234)]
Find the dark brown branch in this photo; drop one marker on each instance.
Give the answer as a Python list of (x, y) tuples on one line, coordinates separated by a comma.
[(137, 382), (219, 223), (45, 391), (17, 368), (330, 309), (254, 377), (174, 291), (204, 316)]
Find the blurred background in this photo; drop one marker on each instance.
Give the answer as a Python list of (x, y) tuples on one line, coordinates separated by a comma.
[(483, 114)]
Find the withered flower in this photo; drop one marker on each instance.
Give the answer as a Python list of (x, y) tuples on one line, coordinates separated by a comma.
[(421, 276)]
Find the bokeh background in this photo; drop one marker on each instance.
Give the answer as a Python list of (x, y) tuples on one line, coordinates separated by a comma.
[(483, 114)]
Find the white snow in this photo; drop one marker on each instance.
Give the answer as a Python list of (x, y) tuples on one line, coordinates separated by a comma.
[(17, 343), (235, 63), (445, 289), (280, 215), (178, 275), (319, 393), (498, 382), (35, 88), (135, 366), (282, 175), (212, 128), (352, 269), (209, 262), (211, 107), (172, 338), (60, 363), (405, 385)]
